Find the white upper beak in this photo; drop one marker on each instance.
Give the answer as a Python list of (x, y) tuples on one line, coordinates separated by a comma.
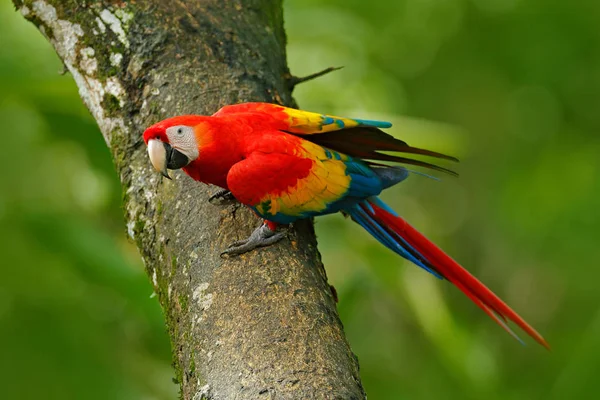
[(158, 156)]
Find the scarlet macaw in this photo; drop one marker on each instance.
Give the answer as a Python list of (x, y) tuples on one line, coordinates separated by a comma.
[(288, 164)]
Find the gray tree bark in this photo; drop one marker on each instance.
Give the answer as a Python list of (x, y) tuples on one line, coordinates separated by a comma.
[(263, 325)]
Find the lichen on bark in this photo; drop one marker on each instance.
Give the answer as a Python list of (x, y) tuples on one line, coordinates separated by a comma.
[(260, 325)]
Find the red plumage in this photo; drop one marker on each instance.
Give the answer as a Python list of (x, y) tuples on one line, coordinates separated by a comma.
[(460, 277)]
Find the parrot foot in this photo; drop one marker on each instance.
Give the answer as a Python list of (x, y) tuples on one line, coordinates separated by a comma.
[(221, 197), (261, 237)]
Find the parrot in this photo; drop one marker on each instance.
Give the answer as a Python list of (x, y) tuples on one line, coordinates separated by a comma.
[(287, 164)]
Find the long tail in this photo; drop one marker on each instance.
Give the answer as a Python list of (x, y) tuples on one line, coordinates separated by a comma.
[(396, 234)]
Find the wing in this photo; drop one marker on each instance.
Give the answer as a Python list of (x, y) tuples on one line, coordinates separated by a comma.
[(358, 138), (284, 187), (301, 122)]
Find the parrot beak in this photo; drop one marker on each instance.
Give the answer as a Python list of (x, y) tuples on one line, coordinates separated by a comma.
[(158, 156), (163, 156)]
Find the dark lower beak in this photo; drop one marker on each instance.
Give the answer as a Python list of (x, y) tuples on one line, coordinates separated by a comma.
[(175, 159)]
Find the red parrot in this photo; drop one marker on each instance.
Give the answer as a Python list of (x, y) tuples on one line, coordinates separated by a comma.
[(287, 164)]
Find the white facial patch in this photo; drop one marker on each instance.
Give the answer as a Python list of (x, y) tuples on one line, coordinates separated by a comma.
[(183, 139)]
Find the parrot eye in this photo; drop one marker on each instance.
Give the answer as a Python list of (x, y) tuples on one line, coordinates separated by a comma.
[(179, 131)]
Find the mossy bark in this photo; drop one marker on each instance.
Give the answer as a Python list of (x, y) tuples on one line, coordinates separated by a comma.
[(260, 325)]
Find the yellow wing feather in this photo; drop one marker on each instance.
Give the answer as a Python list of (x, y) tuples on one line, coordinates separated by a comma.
[(326, 183)]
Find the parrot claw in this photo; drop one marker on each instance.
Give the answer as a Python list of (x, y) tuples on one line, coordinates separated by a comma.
[(221, 197), (261, 237)]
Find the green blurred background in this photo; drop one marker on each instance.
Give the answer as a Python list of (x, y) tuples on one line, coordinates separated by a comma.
[(515, 86)]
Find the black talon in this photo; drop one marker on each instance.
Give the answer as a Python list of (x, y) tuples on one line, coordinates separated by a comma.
[(221, 197)]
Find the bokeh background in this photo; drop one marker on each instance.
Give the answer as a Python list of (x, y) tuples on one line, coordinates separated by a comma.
[(512, 87)]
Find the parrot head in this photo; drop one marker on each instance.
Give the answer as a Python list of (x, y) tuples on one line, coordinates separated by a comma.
[(173, 143)]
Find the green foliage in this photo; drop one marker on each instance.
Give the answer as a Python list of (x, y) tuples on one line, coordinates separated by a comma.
[(515, 87)]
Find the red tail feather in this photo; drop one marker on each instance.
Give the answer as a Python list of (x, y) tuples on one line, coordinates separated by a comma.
[(460, 277)]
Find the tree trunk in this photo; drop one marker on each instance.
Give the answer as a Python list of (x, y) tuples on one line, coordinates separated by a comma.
[(263, 325)]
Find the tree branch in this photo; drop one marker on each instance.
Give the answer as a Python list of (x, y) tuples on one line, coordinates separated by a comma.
[(292, 81), (261, 324)]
